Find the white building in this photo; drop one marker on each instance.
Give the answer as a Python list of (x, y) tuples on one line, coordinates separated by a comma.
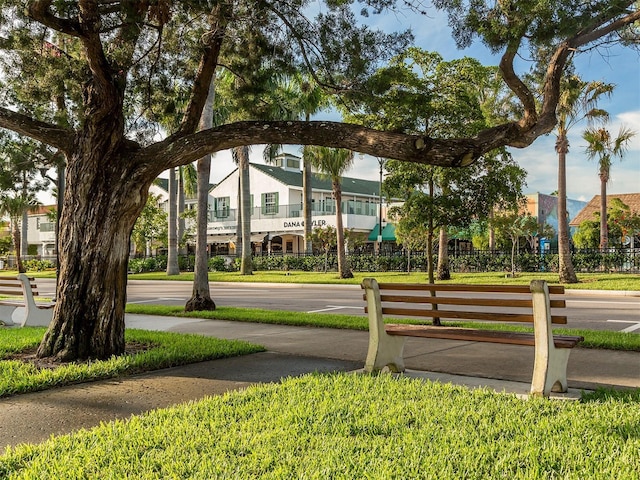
[(277, 223), (41, 230)]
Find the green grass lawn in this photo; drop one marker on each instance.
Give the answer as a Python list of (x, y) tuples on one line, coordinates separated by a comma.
[(595, 281), (162, 350), (592, 338), (346, 426)]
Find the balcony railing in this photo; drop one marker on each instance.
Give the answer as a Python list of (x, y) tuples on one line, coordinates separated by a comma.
[(295, 211)]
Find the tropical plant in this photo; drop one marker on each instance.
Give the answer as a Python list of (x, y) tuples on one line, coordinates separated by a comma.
[(151, 226), (605, 148), (15, 206), (333, 162), (577, 101)]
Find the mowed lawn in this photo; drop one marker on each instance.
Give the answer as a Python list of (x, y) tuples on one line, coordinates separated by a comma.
[(349, 426)]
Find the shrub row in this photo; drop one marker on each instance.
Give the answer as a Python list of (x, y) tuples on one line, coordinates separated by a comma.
[(583, 261)]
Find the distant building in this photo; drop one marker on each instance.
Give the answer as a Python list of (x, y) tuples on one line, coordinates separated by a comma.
[(41, 230), (632, 200), (277, 224), (545, 209)]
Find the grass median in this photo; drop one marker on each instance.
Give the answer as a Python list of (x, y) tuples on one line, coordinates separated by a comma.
[(348, 426), (592, 338), (20, 372)]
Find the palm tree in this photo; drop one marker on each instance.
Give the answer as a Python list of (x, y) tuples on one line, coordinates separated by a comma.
[(201, 294), (241, 157), (172, 237), (577, 101), (333, 162), (15, 207), (301, 98), (603, 147)]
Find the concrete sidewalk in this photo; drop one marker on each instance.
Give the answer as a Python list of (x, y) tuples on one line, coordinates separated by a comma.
[(291, 351)]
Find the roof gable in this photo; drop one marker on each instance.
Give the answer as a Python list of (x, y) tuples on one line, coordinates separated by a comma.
[(320, 182), (588, 212)]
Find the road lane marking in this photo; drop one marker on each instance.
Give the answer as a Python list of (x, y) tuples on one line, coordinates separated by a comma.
[(630, 329), (332, 307), (158, 299)]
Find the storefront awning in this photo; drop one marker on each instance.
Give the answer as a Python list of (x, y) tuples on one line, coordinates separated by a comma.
[(255, 238), (220, 238), (388, 233)]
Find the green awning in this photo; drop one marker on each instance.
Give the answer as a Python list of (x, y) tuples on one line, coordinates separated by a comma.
[(388, 233)]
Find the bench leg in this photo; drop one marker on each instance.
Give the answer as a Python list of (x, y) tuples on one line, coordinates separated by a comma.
[(6, 315), (550, 372), (385, 351)]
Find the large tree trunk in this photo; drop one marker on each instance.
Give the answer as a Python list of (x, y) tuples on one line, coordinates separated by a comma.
[(343, 267), (566, 272), (103, 197), (245, 204)]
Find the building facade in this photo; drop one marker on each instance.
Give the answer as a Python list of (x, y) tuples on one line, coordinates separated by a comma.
[(277, 223)]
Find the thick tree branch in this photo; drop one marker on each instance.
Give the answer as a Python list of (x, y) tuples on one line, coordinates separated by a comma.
[(412, 148), (40, 11), (517, 86), (218, 20), (53, 135), (96, 58)]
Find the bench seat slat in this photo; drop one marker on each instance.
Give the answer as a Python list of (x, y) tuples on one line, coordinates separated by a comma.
[(474, 335), (453, 314)]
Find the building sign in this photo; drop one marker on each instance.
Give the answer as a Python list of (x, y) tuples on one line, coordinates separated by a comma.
[(300, 223)]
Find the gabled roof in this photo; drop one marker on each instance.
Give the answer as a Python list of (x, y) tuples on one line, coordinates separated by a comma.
[(588, 212), (319, 182)]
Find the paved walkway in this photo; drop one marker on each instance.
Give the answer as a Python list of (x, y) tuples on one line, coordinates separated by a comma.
[(291, 351)]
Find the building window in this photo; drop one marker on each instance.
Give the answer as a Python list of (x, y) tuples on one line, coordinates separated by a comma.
[(221, 206), (270, 203), (47, 227)]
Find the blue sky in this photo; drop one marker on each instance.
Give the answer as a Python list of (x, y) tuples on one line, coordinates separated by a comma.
[(620, 66)]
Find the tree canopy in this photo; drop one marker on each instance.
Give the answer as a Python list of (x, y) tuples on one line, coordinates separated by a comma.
[(95, 79)]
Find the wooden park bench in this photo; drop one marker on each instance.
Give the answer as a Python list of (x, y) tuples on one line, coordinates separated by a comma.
[(22, 290), (490, 303)]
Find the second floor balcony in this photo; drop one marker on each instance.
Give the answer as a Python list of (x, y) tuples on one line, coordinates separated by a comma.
[(267, 212)]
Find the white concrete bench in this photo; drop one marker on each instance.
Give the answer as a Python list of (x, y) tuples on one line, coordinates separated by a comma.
[(22, 311), (470, 302)]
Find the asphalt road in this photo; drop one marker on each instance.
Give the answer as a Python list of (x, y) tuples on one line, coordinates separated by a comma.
[(590, 310)]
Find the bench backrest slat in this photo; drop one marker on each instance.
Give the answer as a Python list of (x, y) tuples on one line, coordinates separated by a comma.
[(554, 289), (511, 303), (485, 302), (11, 286)]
